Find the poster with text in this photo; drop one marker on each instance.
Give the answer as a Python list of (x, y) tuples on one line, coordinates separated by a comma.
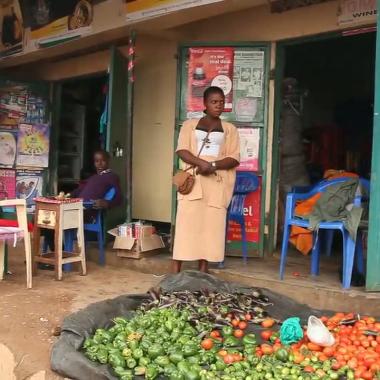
[(8, 148), (249, 149), (252, 217), (248, 84), (51, 20), (29, 185), (7, 184), (11, 28), (209, 66), (33, 145)]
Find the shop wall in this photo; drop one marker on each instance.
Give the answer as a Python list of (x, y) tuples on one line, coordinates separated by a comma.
[(154, 120)]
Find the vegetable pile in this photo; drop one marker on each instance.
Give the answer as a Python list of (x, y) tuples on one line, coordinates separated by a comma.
[(208, 336)]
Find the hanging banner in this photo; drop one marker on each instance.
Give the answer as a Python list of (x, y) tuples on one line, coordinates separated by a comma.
[(209, 67), (249, 149), (56, 21), (251, 217), (33, 145), (11, 28), (357, 11), (138, 10), (248, 83)]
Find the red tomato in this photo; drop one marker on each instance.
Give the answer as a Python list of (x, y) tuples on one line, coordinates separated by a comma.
[(215, 334), (238, 333), (242, 325), (314, 347), (228, 359), (329, 351), (248, 317), (266, 334), (235, 322), (367, 375), (268, 323), (309, 369), (266, 349), (222, 353), (207, 344)]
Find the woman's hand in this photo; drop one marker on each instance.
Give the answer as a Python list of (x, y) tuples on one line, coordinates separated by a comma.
[(205, 168)]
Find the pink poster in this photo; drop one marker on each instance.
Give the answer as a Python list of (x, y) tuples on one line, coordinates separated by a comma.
[(7, 184), (211, 66)]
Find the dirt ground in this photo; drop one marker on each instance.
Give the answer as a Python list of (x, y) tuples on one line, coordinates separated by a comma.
[(28, 317)]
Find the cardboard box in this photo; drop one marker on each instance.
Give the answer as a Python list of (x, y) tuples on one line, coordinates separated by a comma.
[(134, 248)]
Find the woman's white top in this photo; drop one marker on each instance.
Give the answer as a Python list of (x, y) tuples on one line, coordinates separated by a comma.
[(213, 143)]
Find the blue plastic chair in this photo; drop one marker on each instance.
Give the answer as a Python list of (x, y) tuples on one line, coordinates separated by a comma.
[(350, 249), (246, 182)]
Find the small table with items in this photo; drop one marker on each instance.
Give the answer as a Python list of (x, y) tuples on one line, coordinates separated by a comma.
[(59, 215)]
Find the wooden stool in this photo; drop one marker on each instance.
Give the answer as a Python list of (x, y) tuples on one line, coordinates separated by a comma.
[(59, 215)]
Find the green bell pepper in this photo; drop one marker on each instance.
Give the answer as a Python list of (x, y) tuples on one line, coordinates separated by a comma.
[(192, 375), (155, 350), (137, 353), (102, 355), (88, 342), (176, 376), (144, 361), (151, 372), (131, 363), (231, 341), (116, 360), (162, 361), (139, 371), (249, 339), (176, 357), (190, 349), (227, 330)]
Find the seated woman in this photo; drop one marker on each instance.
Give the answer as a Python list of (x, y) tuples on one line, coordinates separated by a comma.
[(94, 189)]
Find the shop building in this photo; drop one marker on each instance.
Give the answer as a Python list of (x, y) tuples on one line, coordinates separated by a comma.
[(332, 58)]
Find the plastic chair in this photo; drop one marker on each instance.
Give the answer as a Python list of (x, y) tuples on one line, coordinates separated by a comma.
[(246, 182), (349, 247), (96, 227)]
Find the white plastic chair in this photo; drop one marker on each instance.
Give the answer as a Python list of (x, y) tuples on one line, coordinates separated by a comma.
[(8, 232)]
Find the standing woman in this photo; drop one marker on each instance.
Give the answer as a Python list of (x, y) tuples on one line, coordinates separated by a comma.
[(201, 214)]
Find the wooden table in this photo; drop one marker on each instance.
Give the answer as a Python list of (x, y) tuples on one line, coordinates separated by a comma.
[(59, 216)]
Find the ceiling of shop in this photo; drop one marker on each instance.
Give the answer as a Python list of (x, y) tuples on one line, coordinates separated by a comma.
[(165, 26)]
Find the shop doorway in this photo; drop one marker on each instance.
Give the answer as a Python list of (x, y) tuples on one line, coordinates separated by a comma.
[(325, 110), (80, 131)]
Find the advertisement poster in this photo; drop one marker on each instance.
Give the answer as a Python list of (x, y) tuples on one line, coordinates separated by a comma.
[(252, 219), (52, 21), (7, 184), (249, 149), (211, 66), (11, 28), (29, 184), (33, 145), (12, 106), (138, 10), (8, 148), (356, 11), (248, 83)]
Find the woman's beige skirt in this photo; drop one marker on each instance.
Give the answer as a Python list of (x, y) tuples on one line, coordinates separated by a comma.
[(199, 232)]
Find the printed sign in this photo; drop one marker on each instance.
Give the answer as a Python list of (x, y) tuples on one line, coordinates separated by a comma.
[(52, 21), (355, 11), (209, 67), (252, 214), (29, 185), (138, 10), (33, 145), (8, 148), (249, 149)]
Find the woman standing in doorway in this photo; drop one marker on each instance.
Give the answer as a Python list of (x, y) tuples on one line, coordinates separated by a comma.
[(201, 214)]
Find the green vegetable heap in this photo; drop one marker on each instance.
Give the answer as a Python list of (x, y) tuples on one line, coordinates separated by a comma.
[(158, 342)]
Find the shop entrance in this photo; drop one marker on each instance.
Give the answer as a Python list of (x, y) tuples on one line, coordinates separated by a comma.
[(326, 110), (80, 131)]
